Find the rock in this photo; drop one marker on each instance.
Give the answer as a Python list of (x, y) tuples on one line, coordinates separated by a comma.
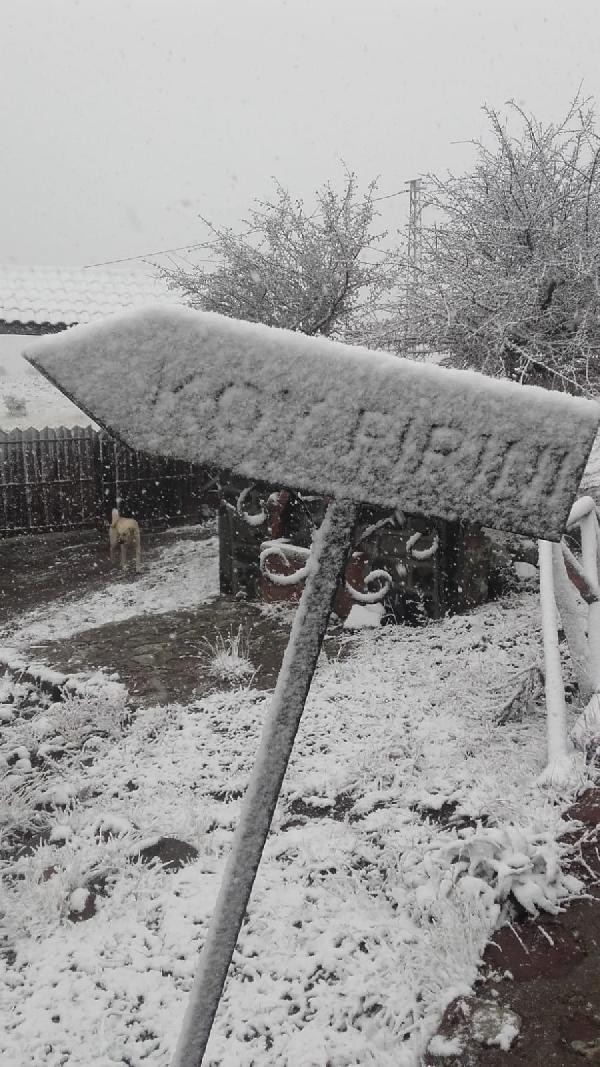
[(494, 1024), (145, 659), (82, 905), (172, 853), (588, 1050), (527, 953), (149, 650)]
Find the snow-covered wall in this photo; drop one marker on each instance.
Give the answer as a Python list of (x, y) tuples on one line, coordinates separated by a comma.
[(317, 415), (43, 404)]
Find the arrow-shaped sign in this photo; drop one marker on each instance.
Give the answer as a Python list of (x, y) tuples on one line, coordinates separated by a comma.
[(313, 414), (355, 425)]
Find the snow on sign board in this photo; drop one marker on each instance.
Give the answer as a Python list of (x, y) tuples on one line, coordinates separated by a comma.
[(314, 414), (355, 425)]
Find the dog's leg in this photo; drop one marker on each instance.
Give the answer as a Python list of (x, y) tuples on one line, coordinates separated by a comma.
[(123, 555), (138, 552)]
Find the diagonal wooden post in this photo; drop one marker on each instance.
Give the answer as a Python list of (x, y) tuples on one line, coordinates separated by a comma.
[(328, 556)]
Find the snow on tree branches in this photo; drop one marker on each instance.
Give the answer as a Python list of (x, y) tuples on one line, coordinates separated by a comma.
[(508, 282), (296, 269)]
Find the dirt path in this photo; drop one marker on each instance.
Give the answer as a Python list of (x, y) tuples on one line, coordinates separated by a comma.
[(37, 570), (166, 658), (158, 657)]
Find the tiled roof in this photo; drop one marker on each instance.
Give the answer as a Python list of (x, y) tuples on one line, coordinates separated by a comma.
[(71, 295)]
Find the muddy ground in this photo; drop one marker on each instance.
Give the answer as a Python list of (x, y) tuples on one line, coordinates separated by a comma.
[(160, 658)]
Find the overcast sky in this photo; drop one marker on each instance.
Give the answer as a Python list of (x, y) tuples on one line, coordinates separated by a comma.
[(123, 120)]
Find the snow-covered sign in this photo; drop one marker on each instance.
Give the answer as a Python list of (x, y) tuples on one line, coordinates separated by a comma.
[(355, 425), (317, 415)]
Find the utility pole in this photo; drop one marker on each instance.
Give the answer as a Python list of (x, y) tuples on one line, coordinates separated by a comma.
[(414, 260)]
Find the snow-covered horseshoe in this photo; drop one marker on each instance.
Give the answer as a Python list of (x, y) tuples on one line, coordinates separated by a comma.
[(348, 423), (376, 595), (256, 519), (287, 553)]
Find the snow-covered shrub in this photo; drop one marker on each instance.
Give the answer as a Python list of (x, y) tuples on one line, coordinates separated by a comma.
[(87, 713), (495, 865), (15, 405), (17, 805), (227, 658), (42, 888)]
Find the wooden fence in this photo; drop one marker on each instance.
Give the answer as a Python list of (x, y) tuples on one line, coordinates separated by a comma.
[(59, 479)]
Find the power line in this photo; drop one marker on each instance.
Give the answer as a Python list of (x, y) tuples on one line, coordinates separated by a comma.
[(390, 196), (145, 255), (203, 244)]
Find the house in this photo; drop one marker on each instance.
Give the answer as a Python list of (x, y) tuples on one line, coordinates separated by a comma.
[(41, 300), (55, 471)]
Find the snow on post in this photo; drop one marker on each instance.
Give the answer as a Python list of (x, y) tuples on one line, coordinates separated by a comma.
[(329, 418), (558, 769), (310, 623)]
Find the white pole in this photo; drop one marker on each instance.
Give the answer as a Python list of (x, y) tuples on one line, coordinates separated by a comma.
[(556, 711), (589, 557)]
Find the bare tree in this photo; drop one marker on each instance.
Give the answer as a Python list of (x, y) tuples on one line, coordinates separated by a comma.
[(300, 271), (509, 280)]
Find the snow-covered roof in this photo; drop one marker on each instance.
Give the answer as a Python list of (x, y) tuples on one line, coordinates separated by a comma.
[(68, 295)]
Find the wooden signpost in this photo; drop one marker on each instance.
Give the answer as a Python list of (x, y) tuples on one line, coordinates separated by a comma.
[(356, 426)]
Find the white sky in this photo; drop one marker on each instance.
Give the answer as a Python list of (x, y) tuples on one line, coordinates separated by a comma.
[(123, 120)]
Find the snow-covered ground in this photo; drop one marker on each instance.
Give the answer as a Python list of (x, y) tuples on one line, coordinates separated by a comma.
[(184, 574), (408, 816)]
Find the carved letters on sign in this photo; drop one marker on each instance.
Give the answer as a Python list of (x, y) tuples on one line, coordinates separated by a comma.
[(394, 449), (419, 450)]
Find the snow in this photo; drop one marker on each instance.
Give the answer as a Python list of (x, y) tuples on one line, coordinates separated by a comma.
[(183, 576), (445, 1046), (44, 404), (59, 295), (362, 615), (334, 419), (366, 917), (78, 899), (525, 571), (493, 1024)]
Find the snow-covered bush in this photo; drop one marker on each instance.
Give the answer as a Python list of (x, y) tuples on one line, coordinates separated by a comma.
[(303, 269), (227, 658), (495, 865), (15, 405), (87, 713)]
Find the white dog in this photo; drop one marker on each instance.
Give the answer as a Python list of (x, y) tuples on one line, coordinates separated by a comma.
[(124, 532)]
